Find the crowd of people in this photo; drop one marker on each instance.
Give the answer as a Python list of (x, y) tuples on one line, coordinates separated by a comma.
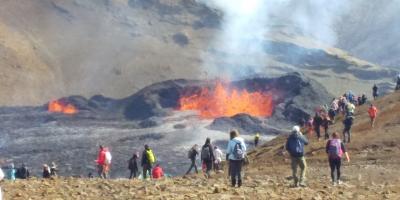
[(212, 157)]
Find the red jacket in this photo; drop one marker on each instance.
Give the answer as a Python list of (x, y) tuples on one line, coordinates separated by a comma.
[(101, 158), (157, 172), (372, 111)]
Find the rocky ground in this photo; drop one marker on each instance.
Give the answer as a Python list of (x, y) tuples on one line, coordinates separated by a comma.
[(371, 174)]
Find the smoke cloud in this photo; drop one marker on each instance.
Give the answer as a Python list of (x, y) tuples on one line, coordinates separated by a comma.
[(247, 23)]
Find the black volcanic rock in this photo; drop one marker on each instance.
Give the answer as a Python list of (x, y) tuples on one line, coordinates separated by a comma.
[(244, 123)]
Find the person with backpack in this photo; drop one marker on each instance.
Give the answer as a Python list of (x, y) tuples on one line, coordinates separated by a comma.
[(295, 146), (335, 150), (317, 122), (11, 172), (347, 122), (192, 155), (148, 159), (236, 150), (22, 172), (372, 112), (350, 109), (375, 91), (133, 166), (218, 158), (207, 157)]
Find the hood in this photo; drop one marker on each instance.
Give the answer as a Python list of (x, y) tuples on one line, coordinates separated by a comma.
[(238, 139)]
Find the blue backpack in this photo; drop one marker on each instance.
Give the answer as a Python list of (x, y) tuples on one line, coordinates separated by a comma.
[(295, 147)]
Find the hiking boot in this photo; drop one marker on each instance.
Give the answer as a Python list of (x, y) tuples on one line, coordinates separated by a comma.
[(233, 182), (334, 184), (339, 182), (302, 185), (239, 183)]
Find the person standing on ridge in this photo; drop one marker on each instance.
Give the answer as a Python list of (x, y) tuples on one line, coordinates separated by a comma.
[(335, 150), (295, 146), (218, 159), (347, 122), (192, 155), (46, 171), (398, 82), (317, 122), (133, 166), (373, 112), (207, 156), (237, 151), (103, 162), (23, 172), (11, 172), (375, 91), (148, 159), (256, 139)]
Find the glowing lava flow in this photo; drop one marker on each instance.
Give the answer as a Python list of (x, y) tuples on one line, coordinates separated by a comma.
[(60, 107), (224, 102)]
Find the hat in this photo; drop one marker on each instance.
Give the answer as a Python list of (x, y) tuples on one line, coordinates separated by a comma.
[(296, 129)]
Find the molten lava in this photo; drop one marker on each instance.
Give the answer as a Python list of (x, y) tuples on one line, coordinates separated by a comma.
[(60, 107), (222, 101)]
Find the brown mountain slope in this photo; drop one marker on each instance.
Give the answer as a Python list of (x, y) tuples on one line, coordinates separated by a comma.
[(372, 173)]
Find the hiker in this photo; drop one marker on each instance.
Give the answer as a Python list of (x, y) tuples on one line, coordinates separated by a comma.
[(148, 159), (11, 172), (325, 124), (335, 150), (256, 139), (53, 169), (157, 172), (132, 166), (375, 91), (348, 122), (363, 99), (317, 122), (46, 171), (398, 82), (103, 162), (295, 146), (218, 158), (372, 111), (22, 172), (309, 126), (237, 151), (192, 154), (207, 157)]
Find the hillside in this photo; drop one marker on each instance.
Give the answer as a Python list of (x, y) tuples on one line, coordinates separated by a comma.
[(372, 173), (55, 48)]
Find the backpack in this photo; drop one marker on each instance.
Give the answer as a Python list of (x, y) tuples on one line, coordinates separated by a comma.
[(190, 153), (205, 153), (295, 147), (335, 148), (108, 158), (238, 153), (150, 156)]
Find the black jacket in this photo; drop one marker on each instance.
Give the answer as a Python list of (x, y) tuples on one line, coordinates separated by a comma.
[(133, 163)]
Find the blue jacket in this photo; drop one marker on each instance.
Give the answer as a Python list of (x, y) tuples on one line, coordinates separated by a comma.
[(231, 147)]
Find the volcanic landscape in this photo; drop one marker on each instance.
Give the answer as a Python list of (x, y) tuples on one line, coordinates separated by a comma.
[(69, 130)]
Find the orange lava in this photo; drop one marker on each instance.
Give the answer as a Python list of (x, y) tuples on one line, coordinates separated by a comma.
[(222, 101), (60, 107)]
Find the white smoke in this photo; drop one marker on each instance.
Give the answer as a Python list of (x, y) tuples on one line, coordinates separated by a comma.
[(246, 25)]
